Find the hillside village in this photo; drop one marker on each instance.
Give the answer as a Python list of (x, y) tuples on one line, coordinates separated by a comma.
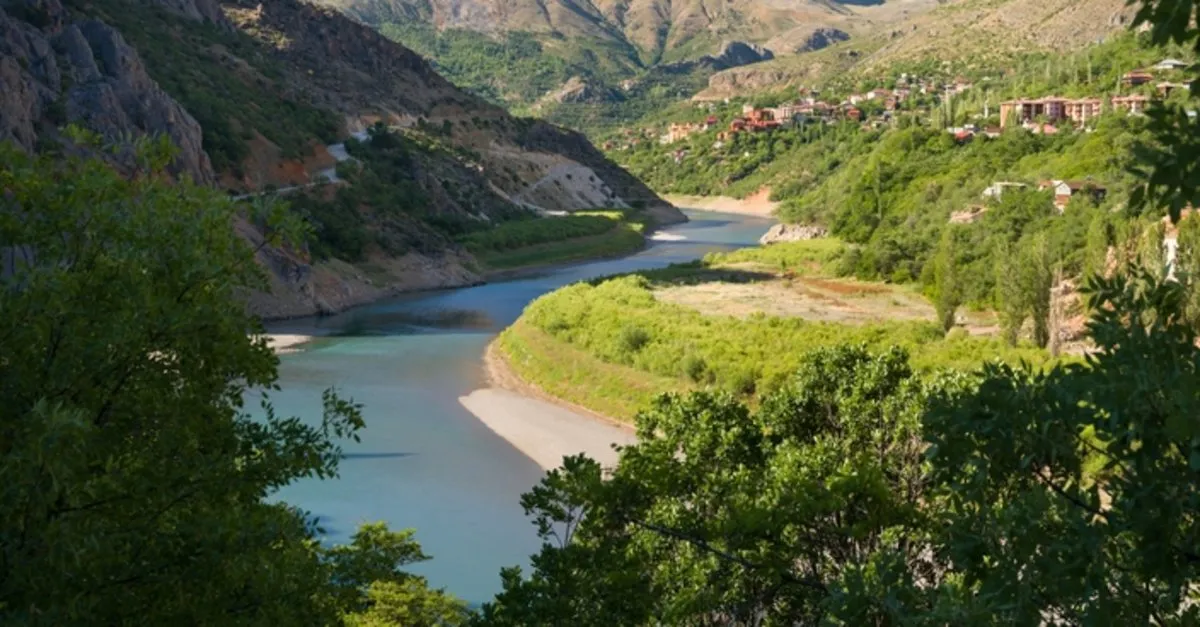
[(925, 101)]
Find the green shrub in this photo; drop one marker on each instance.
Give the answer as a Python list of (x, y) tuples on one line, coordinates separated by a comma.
[(632, 339), (695, 368)]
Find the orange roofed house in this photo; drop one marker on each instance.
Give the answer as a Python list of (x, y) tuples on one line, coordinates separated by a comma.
[(1064, 190)]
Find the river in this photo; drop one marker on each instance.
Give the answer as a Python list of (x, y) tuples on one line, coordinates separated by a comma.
[(424, 462)]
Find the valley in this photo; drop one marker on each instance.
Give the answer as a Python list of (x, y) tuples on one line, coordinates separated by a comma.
[(370, 313)]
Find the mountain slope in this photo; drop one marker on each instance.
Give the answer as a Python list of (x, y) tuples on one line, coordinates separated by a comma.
[(255, 93), (645, 52), (965, 33), (659, 30)]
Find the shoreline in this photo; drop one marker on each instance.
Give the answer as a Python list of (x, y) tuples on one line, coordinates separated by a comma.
[(758, 204), (480, 277), (284, 343), (519, 272), (543, 427), (500, 375)]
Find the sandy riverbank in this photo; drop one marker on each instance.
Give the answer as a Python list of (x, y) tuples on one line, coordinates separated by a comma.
[(541, 427), (283, 343), (758, 204)]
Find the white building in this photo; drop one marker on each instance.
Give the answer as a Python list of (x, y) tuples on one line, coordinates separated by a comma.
[(997, 189), (1170, 64)]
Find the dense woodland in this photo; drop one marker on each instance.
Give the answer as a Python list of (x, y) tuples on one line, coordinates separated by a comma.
[(861, 489)]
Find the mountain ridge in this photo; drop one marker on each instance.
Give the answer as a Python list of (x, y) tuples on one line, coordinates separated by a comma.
[(265, 86)]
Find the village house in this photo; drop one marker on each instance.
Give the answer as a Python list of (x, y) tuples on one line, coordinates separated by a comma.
[(857, 99), (784, 112), (1052, 108), (1170, 64), (1084, 109), (761, 119), (1166, 87), (1133, 104), (679, 131), (854, 113), (1064, 190), (876, 94), (1135, 78)]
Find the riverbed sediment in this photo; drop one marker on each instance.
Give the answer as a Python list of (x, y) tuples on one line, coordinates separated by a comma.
[(542, 427)]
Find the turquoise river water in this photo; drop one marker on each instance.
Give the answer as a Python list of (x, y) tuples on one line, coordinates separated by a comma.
[(424, 462)]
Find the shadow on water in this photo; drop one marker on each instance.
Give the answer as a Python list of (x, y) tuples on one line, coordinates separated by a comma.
[(694, 243), (375, 455), (705, 223), (696, 272), (408, 322)]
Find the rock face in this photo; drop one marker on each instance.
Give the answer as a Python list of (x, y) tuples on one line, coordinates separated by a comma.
[(578, 90), (792, 233), (737, 53), (200, 10), (541, 136), (821, 38), (298, 288), (54, 71), (733, 54)]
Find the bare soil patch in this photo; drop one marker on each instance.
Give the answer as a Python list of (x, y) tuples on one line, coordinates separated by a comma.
[(816, 299)]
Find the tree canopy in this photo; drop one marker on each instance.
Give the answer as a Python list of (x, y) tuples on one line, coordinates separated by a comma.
[(135, 483)]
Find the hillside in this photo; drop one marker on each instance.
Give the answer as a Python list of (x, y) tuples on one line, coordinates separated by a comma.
[(964, 33), (912, 152), (258, 95), (653, 31), (634, 56)]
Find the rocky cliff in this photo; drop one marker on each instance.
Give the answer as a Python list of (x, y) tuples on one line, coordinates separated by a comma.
[(57, 70), (732, 54), (271, 83)]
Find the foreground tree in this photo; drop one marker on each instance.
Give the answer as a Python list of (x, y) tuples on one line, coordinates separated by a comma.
[(133, 480), (723, 515), (946, 290), (1073, 493), (1068, 496), (864, 495)]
